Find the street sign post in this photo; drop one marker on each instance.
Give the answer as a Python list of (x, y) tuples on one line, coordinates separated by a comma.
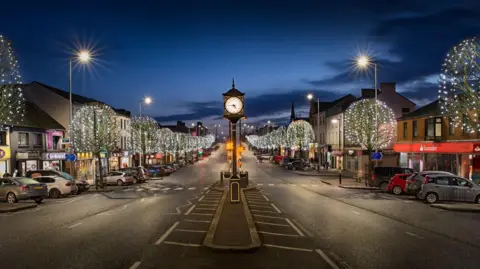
[(377, 156), (71, 157)]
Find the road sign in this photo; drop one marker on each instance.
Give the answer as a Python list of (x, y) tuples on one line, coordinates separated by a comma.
[(377, 156), (71, 157)]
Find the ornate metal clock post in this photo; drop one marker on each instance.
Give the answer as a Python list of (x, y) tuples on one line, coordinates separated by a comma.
[(234, 111)]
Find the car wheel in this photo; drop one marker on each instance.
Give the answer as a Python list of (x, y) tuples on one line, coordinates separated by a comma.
[(11, 198), (119, 182), (38, 200), (477, 200), (384, 186), (54, 193), (135, 179), (397, 190), (431, 197)]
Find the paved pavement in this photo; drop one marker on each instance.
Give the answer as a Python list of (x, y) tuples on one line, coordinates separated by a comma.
[(302, 222)]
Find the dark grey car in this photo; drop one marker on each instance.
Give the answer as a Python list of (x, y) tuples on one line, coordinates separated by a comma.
[(20, 188)]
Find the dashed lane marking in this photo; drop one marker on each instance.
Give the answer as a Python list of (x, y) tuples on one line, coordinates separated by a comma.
[(135, 265), (289, 248), (166, 189), (355, 212), (192, 188), (260, 184), (273, 224), (304, 185), (327, 259), (276, 208), (169, 231), (295, 227), (178, 189), (75, 225), (279, 234), (414, 235), (207, 192), (181, 244), (190, 210), (190, 231), (271, 184), (194, 220), (140, 189)]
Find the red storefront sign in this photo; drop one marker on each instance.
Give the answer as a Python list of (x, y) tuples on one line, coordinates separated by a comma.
[(447, 147)]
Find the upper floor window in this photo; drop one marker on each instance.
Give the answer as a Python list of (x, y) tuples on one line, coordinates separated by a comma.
[(37, 140), (23, 139), (405, 131), (433, 127), (3, 137), (405, 110), (415, 128)]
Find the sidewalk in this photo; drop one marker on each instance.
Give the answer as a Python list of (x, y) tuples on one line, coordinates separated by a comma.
[(324, 173), (459, 207), (232, 227), (7, 208)]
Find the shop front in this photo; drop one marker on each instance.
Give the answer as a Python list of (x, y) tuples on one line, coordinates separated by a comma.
[(85, 167), (27, 161), (114, 161), (53, 160), (353, 160), (459, 158), (125, 160), (103, 162), (4, 160)]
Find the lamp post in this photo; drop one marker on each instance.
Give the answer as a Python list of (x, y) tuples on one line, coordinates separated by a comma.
[(337, 121), (363, 62), (81, 57), (310, 97), (147, 100)]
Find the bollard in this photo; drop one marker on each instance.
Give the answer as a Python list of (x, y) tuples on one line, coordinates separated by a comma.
[(340, 178), (221, 178)]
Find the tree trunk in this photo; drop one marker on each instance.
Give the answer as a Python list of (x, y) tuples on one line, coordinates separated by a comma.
[(370, 166), (100, 170), (144, 159)]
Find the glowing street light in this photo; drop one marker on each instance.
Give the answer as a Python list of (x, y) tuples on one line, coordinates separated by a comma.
[(146, 100), (310, 97), (84, 56)]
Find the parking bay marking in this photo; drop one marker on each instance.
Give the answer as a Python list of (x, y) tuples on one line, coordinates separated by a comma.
[(414, 235), (295, 227), (169, 231), (190, 231), (280, 234), (327, 259), (181, 244), (273, 224), (289, 248), (190, 210), (194, 220), (201, 198), (263, 211), (276, 208), (135, 265), (75, 225)]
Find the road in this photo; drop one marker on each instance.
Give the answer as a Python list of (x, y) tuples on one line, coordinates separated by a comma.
[(302, 223)]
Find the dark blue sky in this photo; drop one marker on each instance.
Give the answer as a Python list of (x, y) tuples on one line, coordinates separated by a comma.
[(184, 53)]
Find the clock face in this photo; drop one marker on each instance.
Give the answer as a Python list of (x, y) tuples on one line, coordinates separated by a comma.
[(233, 105)]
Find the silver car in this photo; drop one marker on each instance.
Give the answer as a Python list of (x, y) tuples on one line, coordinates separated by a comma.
[(449, 188), (14, 189)]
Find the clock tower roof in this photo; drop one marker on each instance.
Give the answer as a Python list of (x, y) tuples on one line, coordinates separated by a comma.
[(233, 91)]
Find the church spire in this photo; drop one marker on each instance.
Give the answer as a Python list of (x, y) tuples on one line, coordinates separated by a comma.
[(233, 83), (292, 115)]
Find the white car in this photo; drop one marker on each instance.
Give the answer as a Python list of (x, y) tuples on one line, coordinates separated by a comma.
[(119, 178), (58, 186)]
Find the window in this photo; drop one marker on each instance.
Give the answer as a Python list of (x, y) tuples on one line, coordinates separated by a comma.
[(438, 127), (456, 181), (433, 127), (415, 130), (23, 139), (37, 140), (442, 181), (405, 110), (3, 137), (451, 127), (405, 130)]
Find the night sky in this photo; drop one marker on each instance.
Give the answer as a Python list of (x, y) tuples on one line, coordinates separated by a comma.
[(185, 53)]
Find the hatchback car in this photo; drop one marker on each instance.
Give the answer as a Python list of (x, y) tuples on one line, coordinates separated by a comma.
[(449, 188), (118, 178), (82, 184), (397, 184), (415, 181), (20, 188), (382, 175), (58, 186)]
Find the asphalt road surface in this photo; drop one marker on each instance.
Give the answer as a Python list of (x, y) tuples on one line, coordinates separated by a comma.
[(302, 223)]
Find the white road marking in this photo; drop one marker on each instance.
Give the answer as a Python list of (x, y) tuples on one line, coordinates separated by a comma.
[(264, 211), (143, 199), (181, 244), (407, 201), (289, 248), (273, 224), (414, 235), (280, 234), (192, 188), (265, 198), (327, 259), (75, 225), (178, 189), (276, 208), (201, 198), (155, 194), (260, 206), (166, 189), (155, 189), (204, 208), (194, 220), (206, 188), (135, 265), (295, 227), (304, 185), (258, 203), (190, 231), (190, 210), (355, 212), (314, 185), (169, 231), (307, 232), (260, 184), (140, 189), (128, 190), (207, 192), (202, 214), (271, 184)]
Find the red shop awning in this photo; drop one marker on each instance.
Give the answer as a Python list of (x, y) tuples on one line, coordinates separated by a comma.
[(444, 147)]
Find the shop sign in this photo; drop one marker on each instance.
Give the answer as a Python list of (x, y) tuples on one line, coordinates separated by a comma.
[(476, 148), (27, 155), (337, 153), (447, 147), (55, 156), (22, 156), (125, 154), (158, 155), (351, 152), (4, 153), (84, 155)]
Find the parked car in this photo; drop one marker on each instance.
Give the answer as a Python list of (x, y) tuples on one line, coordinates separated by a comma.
[(397, 185), (297, 165), (139, 173), (415, 181), (57, 186), (119, 178), (449, 188), (381, 176), (82, 184), (13, 189)]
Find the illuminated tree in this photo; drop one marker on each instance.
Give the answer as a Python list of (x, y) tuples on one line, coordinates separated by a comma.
[(143, 136), (361, 128), (94, 130), (299, 135), (459, 88), (12, 104)]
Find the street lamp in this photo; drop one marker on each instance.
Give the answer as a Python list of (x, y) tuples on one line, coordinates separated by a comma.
[(83, 57), (335, 121), (363, 62), (310, 97), (147, 100)]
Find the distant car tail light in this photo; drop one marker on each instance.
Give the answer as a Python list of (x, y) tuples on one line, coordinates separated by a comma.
[(25, 188)]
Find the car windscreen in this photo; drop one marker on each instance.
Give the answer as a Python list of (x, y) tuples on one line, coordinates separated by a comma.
[(66, 176)]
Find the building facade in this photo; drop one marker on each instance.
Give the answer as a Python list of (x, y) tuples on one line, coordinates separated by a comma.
[(428, 141), (121, 157), (5, 151)]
